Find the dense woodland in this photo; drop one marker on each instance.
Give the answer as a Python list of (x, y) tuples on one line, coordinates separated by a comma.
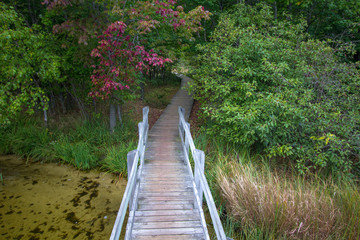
[(277, 84)]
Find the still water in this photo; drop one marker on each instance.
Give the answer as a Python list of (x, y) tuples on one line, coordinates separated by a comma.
[(52, 201)]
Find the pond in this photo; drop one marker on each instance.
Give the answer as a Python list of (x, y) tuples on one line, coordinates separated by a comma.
[(52, 201)]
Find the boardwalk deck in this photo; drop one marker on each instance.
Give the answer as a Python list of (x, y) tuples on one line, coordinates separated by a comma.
[(165, 191), (165, 206)]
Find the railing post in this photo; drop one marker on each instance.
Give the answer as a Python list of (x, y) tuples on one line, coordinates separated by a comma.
[(201, 158), (141, 127), (186, 140), (145, 123), (130, 162)]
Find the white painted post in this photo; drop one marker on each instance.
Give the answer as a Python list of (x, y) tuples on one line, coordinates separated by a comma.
[(186, 140), (201, 158), (196, 174), (130, 162)]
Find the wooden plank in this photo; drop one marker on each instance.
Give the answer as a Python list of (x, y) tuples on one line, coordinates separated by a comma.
[(173, 218), (169, 224), (173, 168), (172, 237), (163, 163), (152, 207), (165, 202), (162, 178), (168, 189), (167, 231), (168, 198), (165, 213), (145, 185), (177, 181), (165, 174), (169, 194)]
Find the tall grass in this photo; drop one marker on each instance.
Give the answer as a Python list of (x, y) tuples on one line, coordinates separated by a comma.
[(85, 145), (116, 158), (258, 201)]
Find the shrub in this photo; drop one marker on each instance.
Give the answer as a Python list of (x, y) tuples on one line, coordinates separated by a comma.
[(264, 84)]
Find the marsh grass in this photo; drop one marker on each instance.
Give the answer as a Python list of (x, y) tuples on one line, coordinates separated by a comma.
[(116, 158), (84, 144), (256, 200)]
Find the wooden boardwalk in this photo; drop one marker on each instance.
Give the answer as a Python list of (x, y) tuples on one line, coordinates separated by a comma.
[(165, 188), (166, 198)]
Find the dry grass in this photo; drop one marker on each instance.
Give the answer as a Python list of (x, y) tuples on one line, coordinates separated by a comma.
[(291, 208)]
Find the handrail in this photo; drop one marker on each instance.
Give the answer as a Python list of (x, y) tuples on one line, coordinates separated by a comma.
[(133, 178), (202, 186)]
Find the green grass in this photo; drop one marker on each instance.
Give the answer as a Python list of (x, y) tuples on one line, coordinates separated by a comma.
[(83, 144)]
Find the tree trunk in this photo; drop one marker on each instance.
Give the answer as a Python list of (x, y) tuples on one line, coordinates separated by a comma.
[(119, 114), (112, 117), (62, 103), (45, 118), (142, 91), (275, 10), (94, 104), (78, 101)]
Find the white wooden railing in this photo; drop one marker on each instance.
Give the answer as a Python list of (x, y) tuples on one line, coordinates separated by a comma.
[(201, 186), (134, 171)]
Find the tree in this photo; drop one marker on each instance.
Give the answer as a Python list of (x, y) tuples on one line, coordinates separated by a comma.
[(26, 65), (122, 50), (120, 62), (265, 85)]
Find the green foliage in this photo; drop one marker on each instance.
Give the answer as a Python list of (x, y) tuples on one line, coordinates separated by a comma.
[(264, 84), (25, 65)]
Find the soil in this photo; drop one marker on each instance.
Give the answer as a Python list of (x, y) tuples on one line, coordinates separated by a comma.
[(135, 110), (194, 120), (52, 201)]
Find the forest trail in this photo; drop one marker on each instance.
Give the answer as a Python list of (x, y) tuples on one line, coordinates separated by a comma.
[(165, 206)]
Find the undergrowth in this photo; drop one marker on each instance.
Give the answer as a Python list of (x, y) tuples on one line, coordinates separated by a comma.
[(259, 200)]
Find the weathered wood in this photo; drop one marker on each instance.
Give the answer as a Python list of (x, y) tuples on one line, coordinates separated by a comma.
[(167, 231), (199, 170), (151, 207), (172, 237), (201, 182), (172, 218), (130, 162), (157, 225), (166, 202), (163, 181), (133, 175)]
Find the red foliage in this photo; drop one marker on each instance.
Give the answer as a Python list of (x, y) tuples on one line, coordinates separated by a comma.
[(119, 61)]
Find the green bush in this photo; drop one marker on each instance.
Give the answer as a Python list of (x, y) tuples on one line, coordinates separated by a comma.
[(264, 84)]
